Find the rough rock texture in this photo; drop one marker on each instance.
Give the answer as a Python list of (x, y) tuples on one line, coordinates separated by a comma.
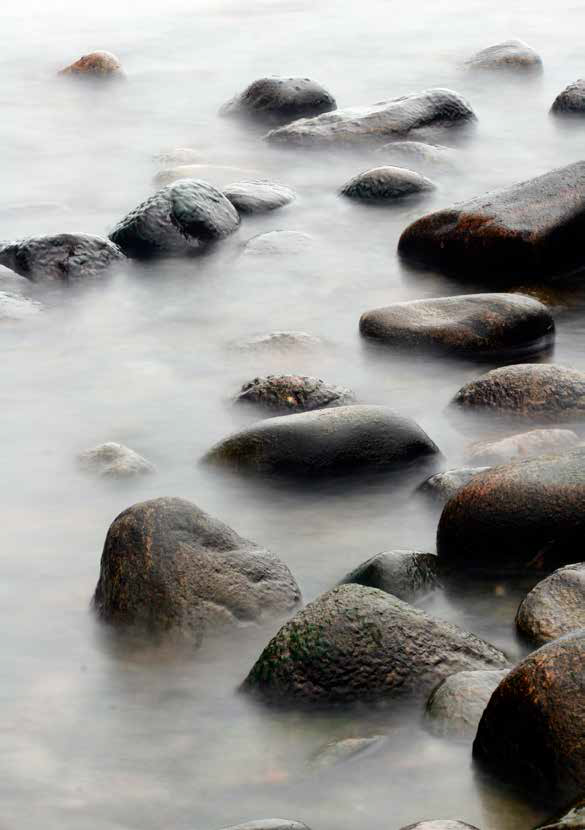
[(572, 818), (217, 174), (571, 101), (113, 460), (179, 218), (279, 243), (269, 824), (472, 324), (396, 119), (554, 607), (531, 732), (347, 749), (442, 486), (407, 574), (361, 644), (66, 257), (13, 307), (258, 195), (440, 824), (280, 341), (530, 230), (168, 567), (95, 65), (527, 391), (524, 445), (527, 515), (280, 100), (346, 439), (418, 154), (511, 55), (385, 184), (283, 394), (455, 707)]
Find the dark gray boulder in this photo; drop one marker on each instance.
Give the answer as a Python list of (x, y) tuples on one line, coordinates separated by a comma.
[(258, 195), (280, 100), (455, 707), (66, 257), (571, 101), (180, 218), (554, 607), (385, 184), (418, 154), (522, 446), (442, 486), (407, 574), (284, 394), (169, 568), (511, 55), (345, 439), (360, 644)]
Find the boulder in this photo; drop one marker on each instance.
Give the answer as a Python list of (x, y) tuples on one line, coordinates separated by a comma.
[(531, 732), (280, 100), (442, 486), (523, 445), (258, 195), (511, 55), (571, 101), (280, 341), (180, 218), (347, 749), (572, 818), (217, 174), (474, 325), (328, 442), (169, 568), (113, 460), (283, 394), (400, 118), (418, 154), (385, 184), (95, 65), (440, 824), (278, 243), (455, 707), (531, 392), (13, 307), (529, 515), (358, 644), (407, 574), (529, 230), (66, 257), (554, 607)]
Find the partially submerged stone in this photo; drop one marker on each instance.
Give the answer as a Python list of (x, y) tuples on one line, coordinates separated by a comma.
[(440, 824), (280, 100), (112, 460), (95, 65), (442, 486), (385, 184), (258, 195), (14, 307), (407, 574), (455, 707), (65, 257), (284, 394), (523, 445), (571, 101), (511, 55), (280, 341), (269, 824), (278, 243), (217, 174), (179, 156), (418, 154), (345, 750), (554, 607)]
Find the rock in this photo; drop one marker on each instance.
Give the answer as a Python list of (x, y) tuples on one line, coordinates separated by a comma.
[(455, 707), (218, 174), (340, 752), (407, 574), (395, 119), (556, 606), (258, 195), (527, 515), (280, 243), (66, 257), (511, 55), (538, 392), (179, 156), (282, 394), (280, 100), (531, 230), (360, 644), (415, 154), (280, 341), (571, 101), (440, 824), (475, 325), (521, 446), (269, 824), (168, 567), (531, 732), (113, 460), (180, 218), (442, 486), (346, 439), (13, 307), (384, 184), (570, 819), (95, 65)]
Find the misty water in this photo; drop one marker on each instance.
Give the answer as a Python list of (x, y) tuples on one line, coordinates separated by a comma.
[(102, 733)]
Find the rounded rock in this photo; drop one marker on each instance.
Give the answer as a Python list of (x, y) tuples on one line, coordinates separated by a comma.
[(95, 65), (345, 750), (442, 486), (571, 101), (406, 574), (455, 707), (66, 257), (554, 607), (283, 394), (269, 824), (113, 460), (258, 195), (440, 824), (280, 100), (280, 341), (415, 154), (385, 184), (521, 446), (217, 174), (511, 55), (278, 243)]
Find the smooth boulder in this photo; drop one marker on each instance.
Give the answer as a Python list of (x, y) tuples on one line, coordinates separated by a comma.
[(284, 394), (169, 568), (442, 486), (103, 65), (112, 460), (521, 446), (455, 707), (358, 644), (66, 257), (386, 184), (510, 55), (258, 195), (571, 101), (280, 100), (554, 607), (406, 574)]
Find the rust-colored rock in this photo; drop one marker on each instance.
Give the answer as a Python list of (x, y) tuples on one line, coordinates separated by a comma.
[(285, 394), (554, 607), (95, 65)]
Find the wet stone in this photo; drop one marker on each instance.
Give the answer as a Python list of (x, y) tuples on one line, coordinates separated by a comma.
[(523, 445), (280, 341), (455, 707), (280, 100), (418, 154), (278, 243), (283, 394), (511, 55), (13, 307), (385, 184), (258, 195), (407, 574), (442, 486), (103, 65), (218, 175), (571, 101), (269, 824), (113, 460), (440, 824), (345, 750), (66, 257), (179, 156), (554, 607)]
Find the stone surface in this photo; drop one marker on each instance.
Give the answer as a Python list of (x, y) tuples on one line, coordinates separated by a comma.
[(169, 568), (385, 184), (572, 818), (455, 707), (399, 118), (407, 574), (179, 218), (472, 324), (346, 439), (348, 749), (258, 195), (179, 156), (13, 307), (278, 243), (554, 607), (66, 257), (418, 154), (113, 460), (269, 824), (284, 394), (571, 101), (280, 341), (524, 445), (360, 644), (511, 55), (529, 230), (442, 486), (95, 65), (440, 824), (280, 100)]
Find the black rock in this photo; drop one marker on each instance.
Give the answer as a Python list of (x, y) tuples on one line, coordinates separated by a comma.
[(258, 195), (284, 394), (455, 707), (385, 184), (280, 100), (571, 101), (407, 574), (67, 257), (554, 607)]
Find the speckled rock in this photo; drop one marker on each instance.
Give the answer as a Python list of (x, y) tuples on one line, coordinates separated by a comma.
[(280, 341), (283, 394), (529, 515), (342, 440), (13, 307), (280, 100), (345, 750), (455, 707), (168, 567), (113, 460), (511, 55), (524, 445), (571, 818), (217, 174), (385, 184), (95, 65), (472, 324), (258, 195), (180, 218), (442, 486), (531, 230), (418, 154), (360, 644), (66, 257), (440, 824), (531, 732), (278, 243), (571, 101), (554, 607), (400, 118), (407, 574)]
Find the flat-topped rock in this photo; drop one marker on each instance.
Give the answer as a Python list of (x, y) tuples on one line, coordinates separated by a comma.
[(102, 65), (279, 100), (385, 184), (455, 707), (284, 394), (511, 55), (407, 574), (65, 257), (258, 195), (571, 101), (554, 607), (523, 445)]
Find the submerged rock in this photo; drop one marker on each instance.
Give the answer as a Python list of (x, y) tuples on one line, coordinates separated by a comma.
[(280, 100), (168, 567), (383, 184), (360, 644), (455, 707), (180, 218), (280, 341), (511, 55), (13, 307), (571, 101), (258, 195), (217, 174), (531, 230), (342, 440), (407, 574), (269, 824), (440, 824), (113, 460), (415, 154), (282, 394), (95, 65), (66, 257), (471, 325), (179, 156), (524, 445), (554, 607), (348, 749), (442, 486), (278, 243), (395, 119)]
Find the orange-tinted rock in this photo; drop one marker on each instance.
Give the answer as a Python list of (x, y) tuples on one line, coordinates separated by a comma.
[(95, 64)]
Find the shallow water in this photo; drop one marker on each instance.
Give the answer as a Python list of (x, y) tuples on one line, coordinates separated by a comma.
[(104, 734)]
